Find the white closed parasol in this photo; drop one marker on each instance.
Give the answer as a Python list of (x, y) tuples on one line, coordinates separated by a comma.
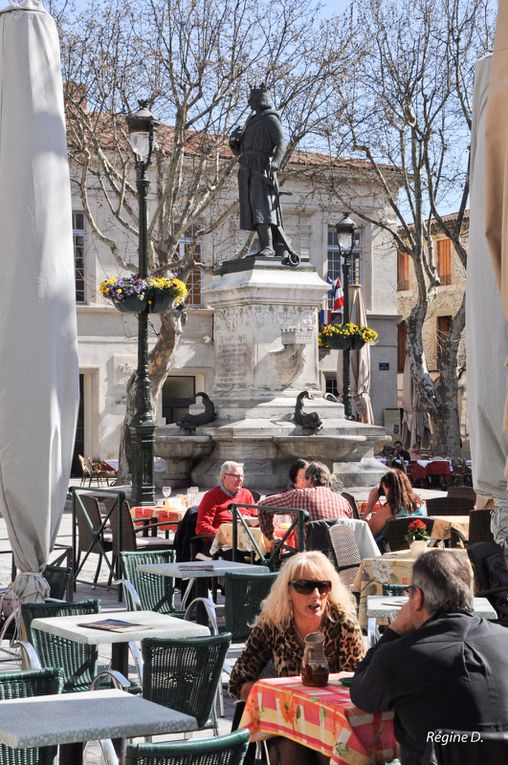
[(38, 338)]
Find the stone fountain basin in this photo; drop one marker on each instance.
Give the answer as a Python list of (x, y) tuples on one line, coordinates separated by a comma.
[(176, 446), (321, 447)]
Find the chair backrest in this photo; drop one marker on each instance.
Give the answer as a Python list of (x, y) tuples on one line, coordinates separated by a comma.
[(318, 538), (462, 491), (352, 502), (25, 684), (491, 572), (89, 519), (479, 526), (449, 505), (122, 526), (58, 578), (156, 593), (363, 535), (184, 533), (347, 554), (394, 590), (86, 465), (77, 661), (395, 531), (244, 592), (454, 747), (221, 750), (184, 674)]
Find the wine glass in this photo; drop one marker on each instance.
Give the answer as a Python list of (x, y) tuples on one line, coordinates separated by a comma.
[(192, 493), (166, 491)]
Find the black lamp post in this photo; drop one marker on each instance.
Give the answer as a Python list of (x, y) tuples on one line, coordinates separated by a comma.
[(141, 126), (345, 239)]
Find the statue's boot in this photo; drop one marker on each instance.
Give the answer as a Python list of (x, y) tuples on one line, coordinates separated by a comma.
[(265, 240)]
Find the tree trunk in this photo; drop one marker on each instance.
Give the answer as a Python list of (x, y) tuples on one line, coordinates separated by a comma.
[(160, 361)]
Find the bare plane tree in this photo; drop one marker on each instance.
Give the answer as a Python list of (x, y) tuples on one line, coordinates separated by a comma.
[(409, 107)]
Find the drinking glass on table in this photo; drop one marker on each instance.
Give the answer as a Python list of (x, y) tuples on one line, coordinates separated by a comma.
[(192, 495), (166, 491)]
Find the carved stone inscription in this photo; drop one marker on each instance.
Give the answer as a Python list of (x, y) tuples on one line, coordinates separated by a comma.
[(233, 352)]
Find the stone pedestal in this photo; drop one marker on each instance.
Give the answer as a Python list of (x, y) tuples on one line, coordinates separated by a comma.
[(265, 335)]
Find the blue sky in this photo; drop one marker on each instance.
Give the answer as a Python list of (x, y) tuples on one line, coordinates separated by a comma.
[(330, 6)]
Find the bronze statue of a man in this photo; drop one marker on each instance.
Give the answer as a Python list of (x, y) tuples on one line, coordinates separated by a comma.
[(260, 146)]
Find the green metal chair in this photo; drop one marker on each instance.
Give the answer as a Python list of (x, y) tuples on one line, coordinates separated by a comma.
[(78, 661), (184, 674), (394, 590), (244, 592), (148, 592), (222, 750), (58, 578), (24, 684)]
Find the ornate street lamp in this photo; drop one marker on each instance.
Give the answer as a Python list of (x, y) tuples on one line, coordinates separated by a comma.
[(141, 126), (346, 238)]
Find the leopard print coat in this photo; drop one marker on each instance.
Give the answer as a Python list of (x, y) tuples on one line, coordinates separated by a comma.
[(344, 648)]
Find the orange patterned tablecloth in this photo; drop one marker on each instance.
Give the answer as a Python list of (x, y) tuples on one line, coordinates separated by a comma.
[(323, 719), (160, 514)]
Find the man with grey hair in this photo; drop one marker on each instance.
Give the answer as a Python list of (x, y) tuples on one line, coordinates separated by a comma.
[(213, 508), (317, 498), (437, 666)]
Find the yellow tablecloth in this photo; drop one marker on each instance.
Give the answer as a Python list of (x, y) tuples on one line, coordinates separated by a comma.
[(444, 523), (224, 539), (323, 719)]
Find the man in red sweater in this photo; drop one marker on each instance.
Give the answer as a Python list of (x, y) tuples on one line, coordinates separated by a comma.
[(213, 508)]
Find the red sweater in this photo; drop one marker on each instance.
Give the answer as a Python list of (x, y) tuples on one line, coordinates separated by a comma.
[(213, 509)]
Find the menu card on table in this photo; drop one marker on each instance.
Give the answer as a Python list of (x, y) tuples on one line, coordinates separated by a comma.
[(114, 625)]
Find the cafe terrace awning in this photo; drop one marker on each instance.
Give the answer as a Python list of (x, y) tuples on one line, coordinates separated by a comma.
[(38, 345)]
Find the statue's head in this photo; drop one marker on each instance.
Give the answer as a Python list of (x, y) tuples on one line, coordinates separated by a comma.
[(259, 97)]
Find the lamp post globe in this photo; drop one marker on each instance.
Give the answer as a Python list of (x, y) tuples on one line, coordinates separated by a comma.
[(346, 239), (141, 125)]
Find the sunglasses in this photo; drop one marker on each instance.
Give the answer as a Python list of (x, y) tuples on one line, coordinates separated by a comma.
[(307, 586)]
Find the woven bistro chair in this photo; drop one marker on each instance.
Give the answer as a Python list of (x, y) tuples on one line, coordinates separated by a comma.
[(58, 578), (25, 684), (396, 529), (449, 505), (184, 674), (222, 750), (144, 591), (244, 592), (479, 526), (78, 661), (346, 551)]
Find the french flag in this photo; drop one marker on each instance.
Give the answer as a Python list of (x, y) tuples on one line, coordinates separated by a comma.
[(337, 293), (325, 316)]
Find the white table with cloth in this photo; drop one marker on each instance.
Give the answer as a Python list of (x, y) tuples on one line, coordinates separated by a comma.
[(391, 568)]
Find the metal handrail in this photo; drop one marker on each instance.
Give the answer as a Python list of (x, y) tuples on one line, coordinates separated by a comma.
[(299, 519)]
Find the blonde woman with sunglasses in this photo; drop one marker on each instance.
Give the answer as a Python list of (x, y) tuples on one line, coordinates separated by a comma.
[(307, 596)]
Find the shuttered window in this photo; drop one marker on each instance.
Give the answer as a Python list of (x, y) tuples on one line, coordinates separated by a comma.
[(444, 260)]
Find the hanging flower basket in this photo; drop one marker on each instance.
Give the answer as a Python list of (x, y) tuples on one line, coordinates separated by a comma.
[(159, 301), (341, 342), (345, 337), (132, 294), (131, 304)]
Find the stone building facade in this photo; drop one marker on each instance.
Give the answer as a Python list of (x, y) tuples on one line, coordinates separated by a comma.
[(445, 304)]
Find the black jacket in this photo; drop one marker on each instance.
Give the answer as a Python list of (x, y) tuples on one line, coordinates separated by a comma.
[(450, 673)]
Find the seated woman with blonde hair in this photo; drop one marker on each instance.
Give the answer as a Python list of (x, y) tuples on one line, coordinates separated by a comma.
[(401, 501), (307, 596)]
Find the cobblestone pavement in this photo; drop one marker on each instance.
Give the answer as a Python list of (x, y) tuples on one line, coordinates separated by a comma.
[(109, 602)]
